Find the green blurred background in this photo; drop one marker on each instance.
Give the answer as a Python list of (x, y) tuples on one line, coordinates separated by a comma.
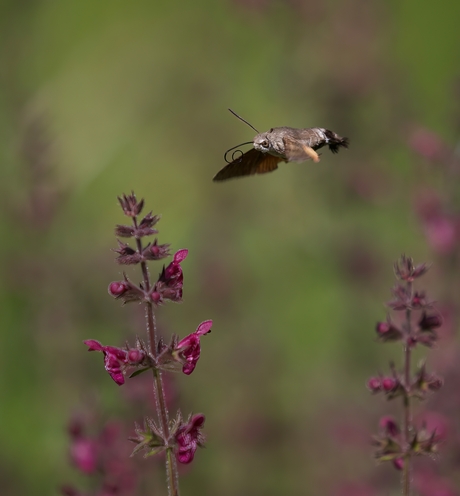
[(101, 98)]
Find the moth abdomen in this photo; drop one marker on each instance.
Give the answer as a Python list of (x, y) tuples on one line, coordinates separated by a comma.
[(334, 141)]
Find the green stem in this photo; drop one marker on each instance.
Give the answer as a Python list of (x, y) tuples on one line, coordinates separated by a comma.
[(172, 474)]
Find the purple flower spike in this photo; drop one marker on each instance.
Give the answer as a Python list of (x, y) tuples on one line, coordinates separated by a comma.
[(189, 437), (189, 347), (114, 359)]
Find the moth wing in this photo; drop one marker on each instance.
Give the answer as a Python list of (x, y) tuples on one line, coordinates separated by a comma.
[(296, 151), (248, 164)]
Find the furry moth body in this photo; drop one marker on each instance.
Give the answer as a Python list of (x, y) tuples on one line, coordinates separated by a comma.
[(281, 144)]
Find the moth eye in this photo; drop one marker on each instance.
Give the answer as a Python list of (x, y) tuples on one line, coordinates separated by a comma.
[(264, 143)]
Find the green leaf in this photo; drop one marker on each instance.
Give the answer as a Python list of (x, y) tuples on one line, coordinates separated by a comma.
[(139, 371)]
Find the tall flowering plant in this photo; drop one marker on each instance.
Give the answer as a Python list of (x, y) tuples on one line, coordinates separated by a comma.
[(177, 437), (400, 442)]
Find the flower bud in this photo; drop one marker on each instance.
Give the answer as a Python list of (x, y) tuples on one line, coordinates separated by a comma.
[(428, 322), (388, 384), (117, 288), (135, 356), (374, 384), (155, 297), (389, 425), (388, 332)]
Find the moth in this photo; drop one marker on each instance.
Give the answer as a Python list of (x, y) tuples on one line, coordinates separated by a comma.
[(280, 144)]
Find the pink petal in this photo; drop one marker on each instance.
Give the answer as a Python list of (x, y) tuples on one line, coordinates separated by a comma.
[(192, 340), (197, 421), (204, 328), (180, 255), (93, 345), (188, 368), (117, 376), (117, 352), (186, 455)]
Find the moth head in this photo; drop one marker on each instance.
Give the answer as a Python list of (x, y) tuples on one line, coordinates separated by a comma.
[(262, 143)]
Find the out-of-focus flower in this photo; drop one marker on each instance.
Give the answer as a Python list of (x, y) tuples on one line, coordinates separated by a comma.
[(428, 145), (374, 384), (387, 331), (434, 422), (430, 321), (100, 456), (405, 270), (441, 228), (83, 453), (429, 483), (389, 426)]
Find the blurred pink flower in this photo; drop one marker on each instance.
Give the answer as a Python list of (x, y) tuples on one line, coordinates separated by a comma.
[(83, 453), (428, 144), (434, 422), (440, 227), (428, 483)]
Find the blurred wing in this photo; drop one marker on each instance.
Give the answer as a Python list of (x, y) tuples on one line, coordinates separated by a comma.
[(296, 151), (251, 162)]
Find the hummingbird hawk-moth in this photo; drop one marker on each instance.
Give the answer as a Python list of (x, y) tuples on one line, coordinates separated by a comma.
[(280, 144)]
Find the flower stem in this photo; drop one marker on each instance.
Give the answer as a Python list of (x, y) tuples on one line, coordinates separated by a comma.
[(407, 420), (172, 474)]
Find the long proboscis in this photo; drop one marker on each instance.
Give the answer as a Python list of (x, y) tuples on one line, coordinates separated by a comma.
[(236, 148), (241, 119)]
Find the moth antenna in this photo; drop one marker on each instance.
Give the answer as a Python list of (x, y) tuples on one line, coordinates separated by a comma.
[(241, 119), (235, 148)]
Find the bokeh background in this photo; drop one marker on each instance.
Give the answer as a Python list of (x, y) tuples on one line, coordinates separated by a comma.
[(101, 98)]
